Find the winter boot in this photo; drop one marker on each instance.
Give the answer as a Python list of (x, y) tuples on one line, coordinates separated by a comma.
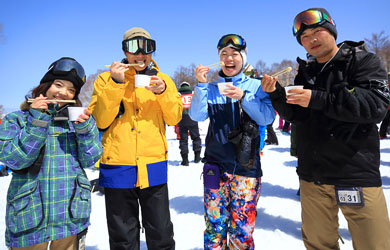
[(197, 157), (184, 162)]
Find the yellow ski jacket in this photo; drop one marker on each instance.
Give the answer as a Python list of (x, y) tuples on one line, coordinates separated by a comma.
[(135, 150)]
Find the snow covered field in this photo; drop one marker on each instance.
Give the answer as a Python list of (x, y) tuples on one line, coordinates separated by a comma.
[(278, 221)]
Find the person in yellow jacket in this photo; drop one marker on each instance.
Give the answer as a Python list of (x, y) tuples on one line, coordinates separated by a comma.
[(133, 167)]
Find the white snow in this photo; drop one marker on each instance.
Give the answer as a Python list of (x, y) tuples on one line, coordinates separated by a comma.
[(278, 220)]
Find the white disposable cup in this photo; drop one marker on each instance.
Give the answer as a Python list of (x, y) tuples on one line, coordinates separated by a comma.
[(287, 88), (75, 112), (222, 87), (141, 81)]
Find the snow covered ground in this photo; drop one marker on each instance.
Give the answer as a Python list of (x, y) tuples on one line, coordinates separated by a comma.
[(278, 221)]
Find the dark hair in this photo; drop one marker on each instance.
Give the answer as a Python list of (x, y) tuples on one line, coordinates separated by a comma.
[(42, 89)]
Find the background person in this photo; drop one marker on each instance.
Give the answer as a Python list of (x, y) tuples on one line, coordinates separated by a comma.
[(231, 190), (345, 94), (188, 126), (284, 126), (49, 197), (272, 139), (134, 165)]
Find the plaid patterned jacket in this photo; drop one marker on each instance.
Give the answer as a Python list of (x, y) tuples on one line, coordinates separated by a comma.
[(56, 202)]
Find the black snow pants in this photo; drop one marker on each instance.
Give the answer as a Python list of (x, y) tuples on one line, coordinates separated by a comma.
[(122, 211), (187, 125)]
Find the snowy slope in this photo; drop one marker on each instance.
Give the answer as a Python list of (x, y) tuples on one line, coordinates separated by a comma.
[(278, 220)]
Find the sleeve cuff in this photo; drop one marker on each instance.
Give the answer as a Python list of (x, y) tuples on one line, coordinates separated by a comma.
[(38, 118), (116, 84), (83, 128), (316, 100)]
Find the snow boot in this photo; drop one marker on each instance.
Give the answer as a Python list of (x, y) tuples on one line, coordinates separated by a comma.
[(184, 162), (197, 157)]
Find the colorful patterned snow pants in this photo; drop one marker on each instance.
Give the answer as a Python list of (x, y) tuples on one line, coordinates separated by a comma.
[(231, 209)]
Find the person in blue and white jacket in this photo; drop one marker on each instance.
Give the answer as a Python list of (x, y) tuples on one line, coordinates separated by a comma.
[(231, 197)]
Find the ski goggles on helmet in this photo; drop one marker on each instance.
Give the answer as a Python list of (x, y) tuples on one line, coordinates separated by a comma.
[(310, 18), (139, 44), (65, 65), (233, 39)]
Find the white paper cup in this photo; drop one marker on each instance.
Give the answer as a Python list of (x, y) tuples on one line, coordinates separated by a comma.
[(222, 87), (141, 81), (75, 112), (287, 88)]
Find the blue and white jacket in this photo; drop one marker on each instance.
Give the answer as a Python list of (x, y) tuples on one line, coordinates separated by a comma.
[(224, 116)]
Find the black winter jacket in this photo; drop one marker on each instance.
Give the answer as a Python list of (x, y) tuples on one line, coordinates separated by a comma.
[(337, 137)]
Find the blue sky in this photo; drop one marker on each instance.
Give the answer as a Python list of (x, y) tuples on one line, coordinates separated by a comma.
[(39, 32)]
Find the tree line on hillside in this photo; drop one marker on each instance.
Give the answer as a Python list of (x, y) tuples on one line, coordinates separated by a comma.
[(379, 43)]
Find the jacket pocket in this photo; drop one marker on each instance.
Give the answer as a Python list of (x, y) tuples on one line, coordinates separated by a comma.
[(25, 209), (80, 205)]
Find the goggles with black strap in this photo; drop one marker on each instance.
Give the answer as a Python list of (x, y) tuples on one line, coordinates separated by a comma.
[(139, 44), (309, 18), (233, 39)]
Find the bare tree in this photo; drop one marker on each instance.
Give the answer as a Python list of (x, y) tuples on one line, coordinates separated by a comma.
[(187, 74), (87, 90), (380, 45), (284, 80), (261, 67), (1, 111), (212, 76)]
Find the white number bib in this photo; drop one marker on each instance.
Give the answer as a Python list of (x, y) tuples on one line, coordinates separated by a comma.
[(349, 196)]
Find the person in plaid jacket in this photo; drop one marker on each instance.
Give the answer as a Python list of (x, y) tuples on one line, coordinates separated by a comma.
[(49, 196)]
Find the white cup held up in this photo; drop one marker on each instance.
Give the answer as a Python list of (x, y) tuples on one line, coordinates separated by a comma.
[(287, 88), (141, 81), (222, 87), (75, 112)]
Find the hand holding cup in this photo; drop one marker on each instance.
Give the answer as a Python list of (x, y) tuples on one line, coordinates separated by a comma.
[(288, 88), (297, 95), (78, 114), (141, 80), (229, 90), (157, 85)]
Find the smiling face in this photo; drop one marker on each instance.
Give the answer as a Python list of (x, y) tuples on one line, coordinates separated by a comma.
[(320, 43), (232, 61), (139, 59), (61, 90)]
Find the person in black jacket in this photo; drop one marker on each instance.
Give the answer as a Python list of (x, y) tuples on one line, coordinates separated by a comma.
[(187, 125), (345, 94)]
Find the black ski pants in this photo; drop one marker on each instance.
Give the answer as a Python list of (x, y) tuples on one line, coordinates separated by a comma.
[(271, 135), (122, 211), (193, 128)]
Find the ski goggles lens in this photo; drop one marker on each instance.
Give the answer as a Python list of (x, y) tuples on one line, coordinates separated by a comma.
[(66, 65), (139, 44), (310, 17), (233, 39)]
